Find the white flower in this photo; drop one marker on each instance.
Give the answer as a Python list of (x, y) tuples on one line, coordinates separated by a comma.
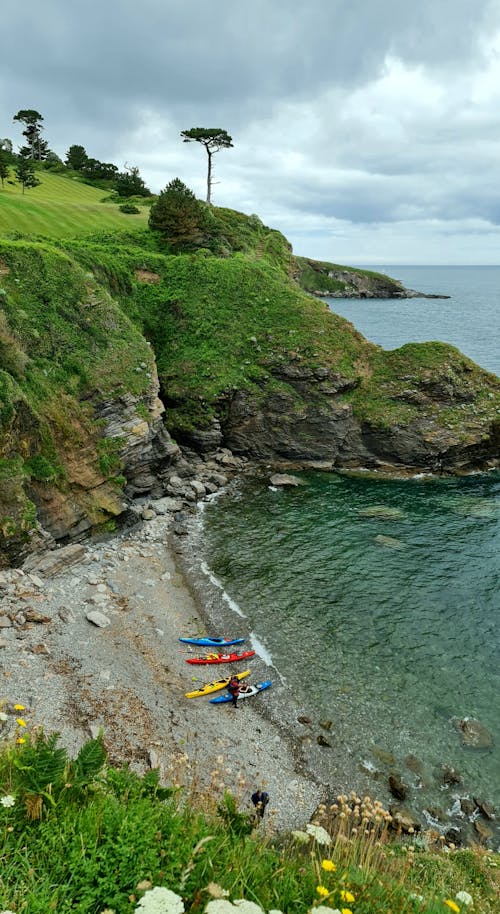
[(3, 717), (160, 901), (318, 833), (6, 801), (322, 909), (221, 906), (301, 836), (464, 898)]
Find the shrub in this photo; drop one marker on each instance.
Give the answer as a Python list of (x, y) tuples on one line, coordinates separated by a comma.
[(129, 208)]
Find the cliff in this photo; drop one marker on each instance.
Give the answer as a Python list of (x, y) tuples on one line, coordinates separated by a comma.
[(111, 347)]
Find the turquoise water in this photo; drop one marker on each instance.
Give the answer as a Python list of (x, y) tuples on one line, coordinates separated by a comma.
[(386, 625)]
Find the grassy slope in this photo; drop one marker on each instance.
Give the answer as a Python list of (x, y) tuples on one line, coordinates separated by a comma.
[(61, 207)]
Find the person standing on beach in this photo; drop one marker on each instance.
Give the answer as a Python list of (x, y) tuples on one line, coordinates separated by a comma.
[(260, 799), (234, 689)]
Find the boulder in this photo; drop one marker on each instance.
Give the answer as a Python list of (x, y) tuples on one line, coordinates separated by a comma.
[(397, 787), (283, 479), (404, 819), (486, 809), (53, 562), (97, 618), (474, 734)]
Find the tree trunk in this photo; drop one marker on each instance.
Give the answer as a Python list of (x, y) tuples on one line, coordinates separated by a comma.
[(209, 175)]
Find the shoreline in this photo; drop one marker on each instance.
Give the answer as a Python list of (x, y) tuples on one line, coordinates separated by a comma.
[(125, 672)]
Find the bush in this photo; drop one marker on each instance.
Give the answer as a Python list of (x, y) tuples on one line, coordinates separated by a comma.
[(129, 208)]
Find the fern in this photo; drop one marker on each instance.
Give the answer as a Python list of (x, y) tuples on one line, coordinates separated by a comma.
[(88, 763), (41, 765)]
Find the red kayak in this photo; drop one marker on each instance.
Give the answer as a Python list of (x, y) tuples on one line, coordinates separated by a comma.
[(221, 658)]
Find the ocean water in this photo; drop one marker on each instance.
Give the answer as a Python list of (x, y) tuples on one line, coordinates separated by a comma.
[(378, 601), (469, 319)]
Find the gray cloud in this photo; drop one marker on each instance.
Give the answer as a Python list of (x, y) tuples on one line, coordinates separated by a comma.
[(347, 112)]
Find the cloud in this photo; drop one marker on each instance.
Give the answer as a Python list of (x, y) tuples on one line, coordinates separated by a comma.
[(343, 112)]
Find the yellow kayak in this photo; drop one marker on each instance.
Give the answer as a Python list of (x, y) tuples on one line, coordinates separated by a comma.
[(215, 686)]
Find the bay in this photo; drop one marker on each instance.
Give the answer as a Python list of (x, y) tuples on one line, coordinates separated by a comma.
[(469, 319), (377, 600)]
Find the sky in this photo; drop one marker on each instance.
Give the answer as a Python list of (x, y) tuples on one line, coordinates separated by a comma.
[(367, 131)]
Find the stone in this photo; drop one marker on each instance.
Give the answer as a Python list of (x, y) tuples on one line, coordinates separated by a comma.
[(453, 835), (198, 488), (467, 806), (474, 734), (397, 787), (450, 775), (383, 755), (304, 720), (283, 479), (148, 514), (482, 831), (3, 643), (404, 819), (32, 615), (390, 542), (382, 511), (486, 809), (5, 622), (36, 580), (326, 724), (153, 758), (412, 762), (66, 615), (40, 649), (98, 619), (322, 741), (53, 562)]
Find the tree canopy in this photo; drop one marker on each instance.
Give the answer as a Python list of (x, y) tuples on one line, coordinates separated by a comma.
[(36, 147), (179, 217), (76, 157), (129, 183), (213, 139), (25, 173)]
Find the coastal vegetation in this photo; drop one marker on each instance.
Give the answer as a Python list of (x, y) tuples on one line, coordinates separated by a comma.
[(127, 839)]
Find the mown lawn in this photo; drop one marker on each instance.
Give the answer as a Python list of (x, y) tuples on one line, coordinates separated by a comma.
[(61, 207)]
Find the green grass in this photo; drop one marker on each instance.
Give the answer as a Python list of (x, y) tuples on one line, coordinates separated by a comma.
[(81, 836), (61, 207)]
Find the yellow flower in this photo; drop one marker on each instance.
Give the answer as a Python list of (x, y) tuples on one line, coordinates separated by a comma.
[(347, 896), (20, 721), (19, 708), (20, 739), (328, 865), (452, 905), (345, 911), (322, 890)]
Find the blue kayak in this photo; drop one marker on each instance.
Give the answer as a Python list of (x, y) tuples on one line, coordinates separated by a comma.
[(246, 691), (212, 642)]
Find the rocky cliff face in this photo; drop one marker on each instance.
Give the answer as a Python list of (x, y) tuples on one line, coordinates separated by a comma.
[(319, 416)]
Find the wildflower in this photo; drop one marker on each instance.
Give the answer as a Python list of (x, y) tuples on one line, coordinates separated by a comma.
[(321, 909), (160, 901), (328, 865), (345, 911), (301, 836), (452, 905), (20, 740), (20, 721), (240, 905), (19, 708), (216, 890), (323, 891), (319, 834), (8, 800), (464, 898), (347, 896)]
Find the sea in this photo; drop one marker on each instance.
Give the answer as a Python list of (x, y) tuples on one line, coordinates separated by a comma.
[(375, 602)]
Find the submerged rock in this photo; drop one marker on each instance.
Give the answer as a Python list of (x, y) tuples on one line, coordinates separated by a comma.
[(390, 542), (283, 479), (474, 734), (382, 511)]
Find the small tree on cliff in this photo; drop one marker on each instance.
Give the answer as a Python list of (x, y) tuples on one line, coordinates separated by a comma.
[(213, 139), (179, 217)]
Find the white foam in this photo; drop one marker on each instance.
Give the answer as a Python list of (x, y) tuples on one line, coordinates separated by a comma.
[(260, 650), (225, 596)]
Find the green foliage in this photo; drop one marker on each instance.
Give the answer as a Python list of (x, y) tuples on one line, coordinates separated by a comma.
[(110, 462), (178, 217), (213, 139), (76, 157), (82, 835), (41, 469), (36, 148), (129, 183), (4, 166), (129, 208), (25, 174)]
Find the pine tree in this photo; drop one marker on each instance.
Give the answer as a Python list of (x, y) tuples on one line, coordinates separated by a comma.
[(25, 174), (179, 217), (213, 139), (4, 168), (36, 147)]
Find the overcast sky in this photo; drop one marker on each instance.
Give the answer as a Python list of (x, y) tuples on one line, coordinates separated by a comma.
[(368, 131)]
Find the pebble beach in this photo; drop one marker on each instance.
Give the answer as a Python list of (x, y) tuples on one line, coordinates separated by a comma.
[(89, 641)]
